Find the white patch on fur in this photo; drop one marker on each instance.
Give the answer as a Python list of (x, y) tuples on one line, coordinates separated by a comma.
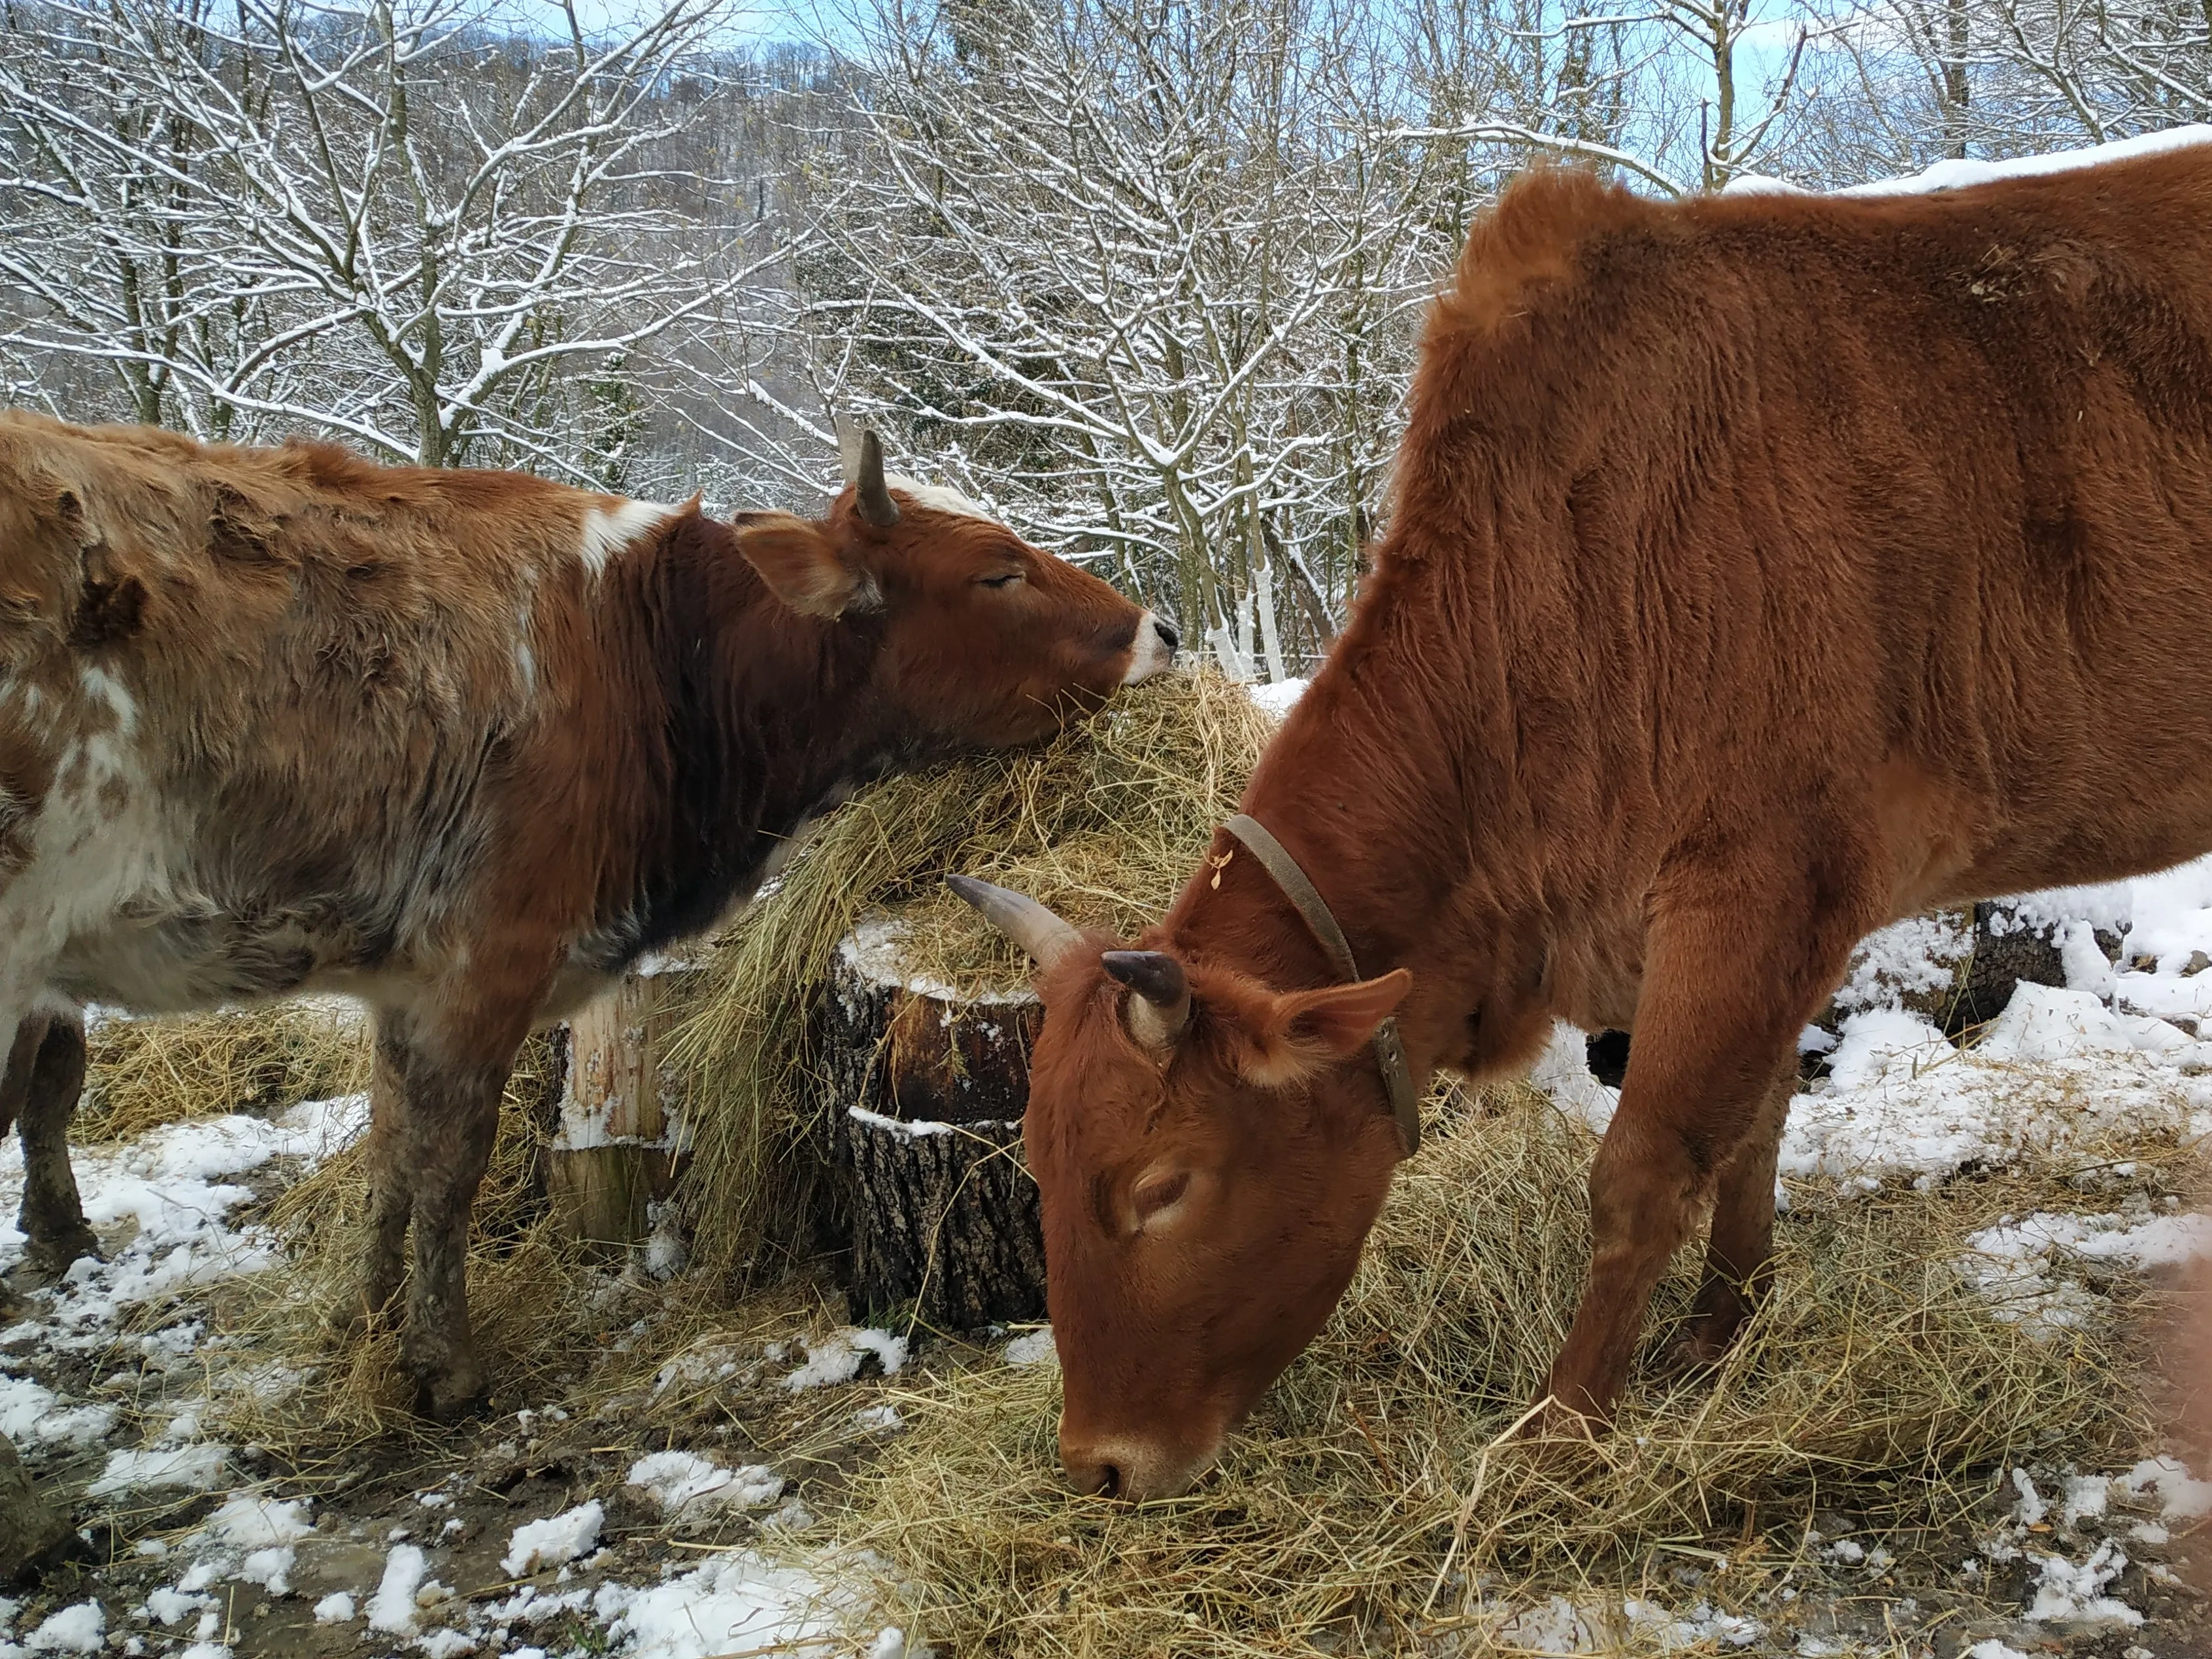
[(1150, 655), (97, 844), (938, 498), (105, 688), (607, 530)]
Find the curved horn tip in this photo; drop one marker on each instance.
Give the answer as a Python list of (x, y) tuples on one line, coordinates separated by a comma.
[(874, 500), (1159, 1009), (1153, 974), (1045, 936)]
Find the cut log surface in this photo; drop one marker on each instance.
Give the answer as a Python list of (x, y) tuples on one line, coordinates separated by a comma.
[(922, 1129)]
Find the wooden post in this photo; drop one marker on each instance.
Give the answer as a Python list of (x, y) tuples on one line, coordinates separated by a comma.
[(612, 1155)]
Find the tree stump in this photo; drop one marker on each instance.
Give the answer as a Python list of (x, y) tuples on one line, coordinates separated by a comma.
[(922, 1131), (613, 1153)]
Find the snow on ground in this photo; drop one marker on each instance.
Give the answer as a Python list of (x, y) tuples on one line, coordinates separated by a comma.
[(171, 1211), (2060, 1071), (554, 1541), (684, 1484), (838, 1357)]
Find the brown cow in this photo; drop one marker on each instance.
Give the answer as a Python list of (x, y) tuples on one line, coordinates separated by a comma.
[(463, 744), (1761, 569)]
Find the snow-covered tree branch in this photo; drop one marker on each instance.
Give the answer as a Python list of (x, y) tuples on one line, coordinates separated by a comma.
[(392, 221)]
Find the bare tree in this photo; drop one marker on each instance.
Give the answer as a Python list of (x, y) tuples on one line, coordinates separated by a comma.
[(391, 221)]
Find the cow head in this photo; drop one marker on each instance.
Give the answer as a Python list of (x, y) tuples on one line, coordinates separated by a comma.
[(1210, 1154), (987, 638)]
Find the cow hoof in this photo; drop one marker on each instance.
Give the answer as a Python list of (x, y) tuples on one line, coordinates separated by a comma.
[(53, 1255), (451, 1400), (354, 1320)]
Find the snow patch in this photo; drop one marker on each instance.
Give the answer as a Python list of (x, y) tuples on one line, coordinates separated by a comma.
[(837, 1357), (79, 1629), (739, 1602), (558, 1539), (683, 1483)]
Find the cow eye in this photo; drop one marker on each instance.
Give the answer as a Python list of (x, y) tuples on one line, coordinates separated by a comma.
[(1156, 1193), (1007, 581)]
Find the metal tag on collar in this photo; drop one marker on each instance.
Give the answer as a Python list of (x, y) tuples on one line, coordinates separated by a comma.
[(1398, 1084)]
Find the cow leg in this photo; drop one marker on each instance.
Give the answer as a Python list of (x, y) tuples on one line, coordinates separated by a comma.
[(1718, 1022), (449, 1069), (391, 1196), (1740, 1254), (52, 1215)]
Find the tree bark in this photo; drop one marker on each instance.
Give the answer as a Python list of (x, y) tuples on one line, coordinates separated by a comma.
[(922, 1132)]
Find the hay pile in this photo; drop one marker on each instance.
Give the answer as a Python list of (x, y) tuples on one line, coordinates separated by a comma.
[(143, 1073), (1372, 1496), (1103, 823)]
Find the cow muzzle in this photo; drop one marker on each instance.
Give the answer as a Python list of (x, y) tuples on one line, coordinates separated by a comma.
[(1129, 1470), (1152, 651)]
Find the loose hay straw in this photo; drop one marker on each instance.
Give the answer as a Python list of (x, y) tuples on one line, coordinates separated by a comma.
[(1374, 1495), (1102, 822), (143, 1073)]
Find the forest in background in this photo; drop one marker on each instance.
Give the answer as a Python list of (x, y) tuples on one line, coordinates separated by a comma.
[(1144, 276)]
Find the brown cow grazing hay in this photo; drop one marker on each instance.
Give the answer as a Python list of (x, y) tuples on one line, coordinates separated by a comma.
[(1377, 1501), (464, 745), (1762, 570)]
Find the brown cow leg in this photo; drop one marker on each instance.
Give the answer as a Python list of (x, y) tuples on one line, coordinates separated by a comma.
[(1718, 1023), (52, 1216), (1740, 1256), (449, 1111), (391, 1196)]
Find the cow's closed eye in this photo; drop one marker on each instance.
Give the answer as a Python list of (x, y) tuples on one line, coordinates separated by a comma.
[(1154, 1197), (1005, 580)]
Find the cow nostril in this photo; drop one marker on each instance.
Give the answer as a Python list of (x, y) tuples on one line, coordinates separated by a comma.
[(1110, 1481), (1166, 630)]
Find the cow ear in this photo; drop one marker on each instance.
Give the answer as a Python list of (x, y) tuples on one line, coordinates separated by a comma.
[(800, 564), (1301, 1032)]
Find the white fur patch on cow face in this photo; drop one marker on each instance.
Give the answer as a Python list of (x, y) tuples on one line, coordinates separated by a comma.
[(938, 498), (1152, 653), (608, 531)]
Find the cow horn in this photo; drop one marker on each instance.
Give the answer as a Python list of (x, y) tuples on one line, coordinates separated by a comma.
[(1045, 936), (874, 502), (1159, 1013)]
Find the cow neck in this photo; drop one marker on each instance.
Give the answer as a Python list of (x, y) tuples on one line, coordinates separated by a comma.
[(769, 718), (1411, 845)]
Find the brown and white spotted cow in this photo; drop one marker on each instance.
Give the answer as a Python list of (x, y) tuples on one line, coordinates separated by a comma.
[(462, 745)]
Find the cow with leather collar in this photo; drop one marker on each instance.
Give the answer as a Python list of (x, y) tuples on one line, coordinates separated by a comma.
[(1761, 569)]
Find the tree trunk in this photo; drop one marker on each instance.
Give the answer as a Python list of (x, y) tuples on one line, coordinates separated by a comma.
[(922, 1130)]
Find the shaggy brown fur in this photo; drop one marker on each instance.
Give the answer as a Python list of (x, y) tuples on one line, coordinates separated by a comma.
[(464, 745), (1762, 570)]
